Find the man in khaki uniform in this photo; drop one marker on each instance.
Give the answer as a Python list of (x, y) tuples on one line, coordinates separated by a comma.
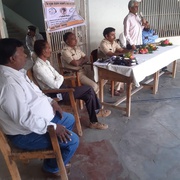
[(74, 58), (108, 48)]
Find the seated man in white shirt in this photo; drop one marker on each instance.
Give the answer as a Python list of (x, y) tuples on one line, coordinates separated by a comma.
[(26, 113), (48, 78)]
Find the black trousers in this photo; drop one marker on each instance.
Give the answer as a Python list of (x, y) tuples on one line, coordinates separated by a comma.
[(87, 94)]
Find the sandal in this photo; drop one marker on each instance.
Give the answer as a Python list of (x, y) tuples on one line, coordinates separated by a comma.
[(103, 113), (121, 90), (117, 93), (98, 125)]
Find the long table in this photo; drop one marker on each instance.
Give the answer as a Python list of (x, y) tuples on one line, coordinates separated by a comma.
[(148, 64)]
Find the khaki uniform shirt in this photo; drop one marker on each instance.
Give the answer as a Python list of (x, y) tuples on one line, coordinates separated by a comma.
[(69, 54), (106, 46)]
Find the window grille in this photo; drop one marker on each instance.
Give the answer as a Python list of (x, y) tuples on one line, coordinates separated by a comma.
[(163, 16)]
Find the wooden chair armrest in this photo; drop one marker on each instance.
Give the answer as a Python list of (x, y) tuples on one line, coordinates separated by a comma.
[(72, 70), (72, 79), (57, 151), (58, 90), (51, 131), (69, 77)]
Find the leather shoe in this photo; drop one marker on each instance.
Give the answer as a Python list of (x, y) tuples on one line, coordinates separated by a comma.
[(103, 113)]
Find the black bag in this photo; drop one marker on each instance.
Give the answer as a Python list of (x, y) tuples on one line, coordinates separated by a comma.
[(124, 61)]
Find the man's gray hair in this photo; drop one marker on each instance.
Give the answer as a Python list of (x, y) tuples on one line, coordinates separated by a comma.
[(131, 3)]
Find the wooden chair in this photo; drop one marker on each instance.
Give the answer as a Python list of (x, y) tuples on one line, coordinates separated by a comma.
[(71, 97), (93, 58), (64, 71), (12, 154)]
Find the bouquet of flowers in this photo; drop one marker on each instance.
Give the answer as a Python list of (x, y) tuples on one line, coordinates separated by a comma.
[(165, 43)]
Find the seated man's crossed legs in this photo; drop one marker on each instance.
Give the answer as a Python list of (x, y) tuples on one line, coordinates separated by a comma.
[(93, 106), (86, 80)]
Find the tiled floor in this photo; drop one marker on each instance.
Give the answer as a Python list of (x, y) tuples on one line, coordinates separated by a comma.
[(145, 146)]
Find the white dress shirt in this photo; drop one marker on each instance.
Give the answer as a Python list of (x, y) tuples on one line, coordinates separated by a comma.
[(133, 29), (46, 76), (23, 106)]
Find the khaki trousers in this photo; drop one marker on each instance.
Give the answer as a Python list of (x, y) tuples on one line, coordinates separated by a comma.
[(84, 76)]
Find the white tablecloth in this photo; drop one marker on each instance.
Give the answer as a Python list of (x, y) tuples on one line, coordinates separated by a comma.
[(148, 64)]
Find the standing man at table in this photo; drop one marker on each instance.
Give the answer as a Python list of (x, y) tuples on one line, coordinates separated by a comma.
[(108, 48), (133, 26)]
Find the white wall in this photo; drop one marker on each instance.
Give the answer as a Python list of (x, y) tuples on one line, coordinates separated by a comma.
[(102, 14)]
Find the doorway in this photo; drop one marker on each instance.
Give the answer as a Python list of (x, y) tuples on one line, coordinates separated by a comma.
[(3, 28)]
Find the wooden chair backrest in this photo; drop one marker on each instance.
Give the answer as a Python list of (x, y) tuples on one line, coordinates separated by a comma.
[(31, 76), (60, 64), (94, 55)]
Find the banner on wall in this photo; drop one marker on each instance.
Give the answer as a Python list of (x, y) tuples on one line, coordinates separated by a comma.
[(60, 15)]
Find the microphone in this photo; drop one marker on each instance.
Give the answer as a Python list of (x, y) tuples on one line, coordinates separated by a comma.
[(143, 21), (141, 15)]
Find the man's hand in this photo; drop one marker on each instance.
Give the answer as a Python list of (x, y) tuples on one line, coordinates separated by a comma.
[(56, 107), (84, 60), (144, 21), (63, 133), (133, 47), (79, 62)]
